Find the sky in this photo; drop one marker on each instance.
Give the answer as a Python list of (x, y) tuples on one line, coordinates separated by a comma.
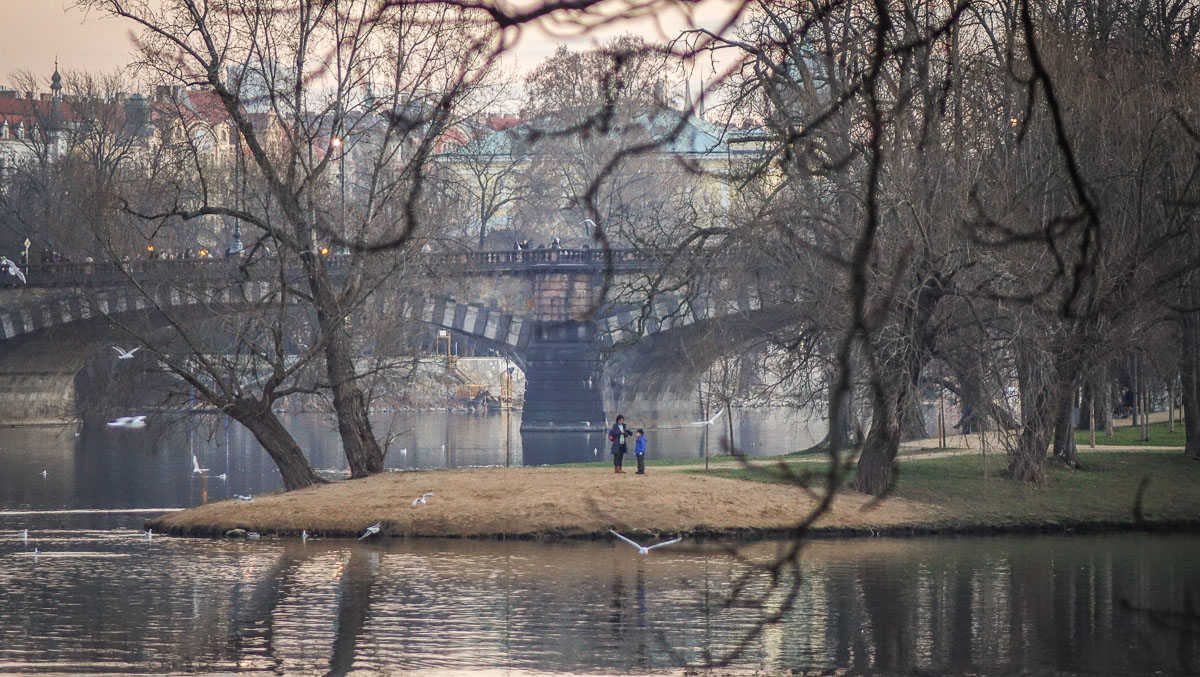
[(33, 33)]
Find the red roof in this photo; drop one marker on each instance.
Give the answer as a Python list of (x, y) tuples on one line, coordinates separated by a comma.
[(499, 123), (206, 104), (451, 136), (33, 113)]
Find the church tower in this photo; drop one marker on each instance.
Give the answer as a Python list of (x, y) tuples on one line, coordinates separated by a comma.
[(56, 125)]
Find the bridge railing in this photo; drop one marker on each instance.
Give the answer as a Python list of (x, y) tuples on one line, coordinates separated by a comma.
[(516, 260), (223, 269), (103, 273)]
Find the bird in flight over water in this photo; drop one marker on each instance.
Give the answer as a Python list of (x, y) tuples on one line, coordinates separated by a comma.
[(644, 549)]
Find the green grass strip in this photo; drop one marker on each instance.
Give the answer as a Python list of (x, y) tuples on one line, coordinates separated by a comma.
[(966, 490), (1125, 434)]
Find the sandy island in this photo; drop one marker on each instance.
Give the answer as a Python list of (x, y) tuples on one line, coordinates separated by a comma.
[(540, 503)]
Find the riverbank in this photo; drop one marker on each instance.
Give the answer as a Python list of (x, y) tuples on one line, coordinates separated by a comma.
[(541, 502), (950, 493)]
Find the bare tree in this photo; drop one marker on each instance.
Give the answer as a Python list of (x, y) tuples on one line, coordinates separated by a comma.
[(359, 88)]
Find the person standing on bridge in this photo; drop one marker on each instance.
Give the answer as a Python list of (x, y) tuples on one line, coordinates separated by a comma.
[(617, 435)]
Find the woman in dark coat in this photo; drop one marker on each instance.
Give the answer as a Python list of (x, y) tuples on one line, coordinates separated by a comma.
[(617, 434)]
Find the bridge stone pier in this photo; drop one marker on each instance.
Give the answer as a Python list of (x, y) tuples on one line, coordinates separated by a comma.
[(564, 366), (545, 327)]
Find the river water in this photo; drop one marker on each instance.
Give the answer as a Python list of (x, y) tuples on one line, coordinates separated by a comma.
[(99, 596), (95, 466)]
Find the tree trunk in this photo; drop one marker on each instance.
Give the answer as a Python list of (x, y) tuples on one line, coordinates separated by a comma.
[(913, 418), (1091, 394), (1065, 448), (1171, 405), (362, 451), (873, 474), (897, 369), (1104, 402), (1137, 394), (279, 444), (843, 437), (1027, 460), (363, 454), (1189, 367)]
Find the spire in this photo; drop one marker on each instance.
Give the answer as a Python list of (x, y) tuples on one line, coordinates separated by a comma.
[(56, 117), (56, 80)]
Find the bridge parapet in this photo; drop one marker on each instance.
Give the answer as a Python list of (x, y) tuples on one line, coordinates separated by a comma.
[(516, 262), (519, 261), (108, 274)]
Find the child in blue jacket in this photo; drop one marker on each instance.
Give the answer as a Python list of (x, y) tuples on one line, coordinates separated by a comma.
[(639, 451)]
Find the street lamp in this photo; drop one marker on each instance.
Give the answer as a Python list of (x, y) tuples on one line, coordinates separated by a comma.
[(236, 248), (337, 143)]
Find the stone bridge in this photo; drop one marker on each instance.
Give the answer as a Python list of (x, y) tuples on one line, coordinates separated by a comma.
[(538, 307)]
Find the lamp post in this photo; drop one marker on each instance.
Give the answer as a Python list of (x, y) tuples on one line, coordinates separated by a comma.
[(236, 248), (337, 143)]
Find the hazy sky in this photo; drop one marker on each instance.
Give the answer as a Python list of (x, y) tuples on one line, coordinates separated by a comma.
[(34, 32)]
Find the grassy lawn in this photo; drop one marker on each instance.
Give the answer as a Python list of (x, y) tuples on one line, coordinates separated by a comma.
[(1105, 491), (1126, 434)]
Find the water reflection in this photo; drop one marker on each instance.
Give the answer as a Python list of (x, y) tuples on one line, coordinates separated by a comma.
[(97, 467), (110, 601)]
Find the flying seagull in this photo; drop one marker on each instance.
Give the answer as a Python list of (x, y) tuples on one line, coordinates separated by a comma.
[(24, 535), (43, 473), (149, 534), (371, 530), (421, 498), (13, 268), (129, 422), (304, 535), (196, 469), (222, 476), (244, 499), (123, 354), (643, 549), (711, 420)]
